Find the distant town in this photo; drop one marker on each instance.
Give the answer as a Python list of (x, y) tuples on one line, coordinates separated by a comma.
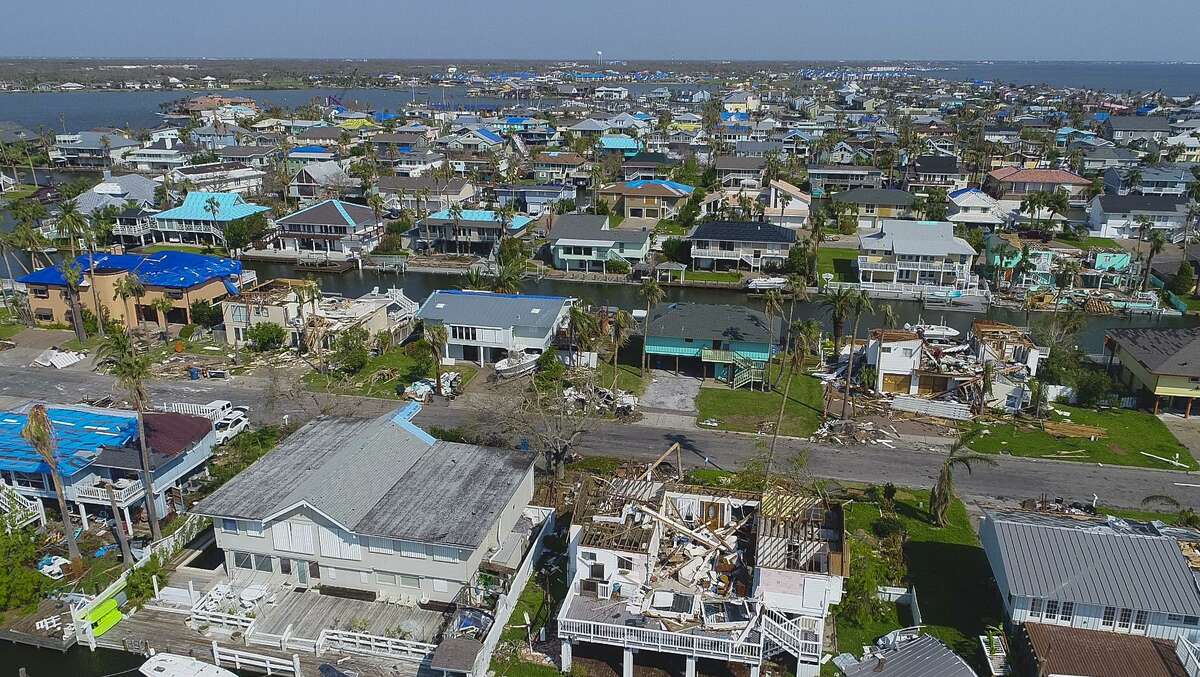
[(598, 367)]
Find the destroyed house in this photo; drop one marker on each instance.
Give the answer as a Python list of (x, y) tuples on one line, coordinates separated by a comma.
[(702, 572)]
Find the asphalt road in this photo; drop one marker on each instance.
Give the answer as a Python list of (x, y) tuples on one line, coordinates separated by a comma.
[(1011, 478)]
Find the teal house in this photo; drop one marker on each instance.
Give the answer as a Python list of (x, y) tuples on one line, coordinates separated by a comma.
[(727, 343), (587, 242)]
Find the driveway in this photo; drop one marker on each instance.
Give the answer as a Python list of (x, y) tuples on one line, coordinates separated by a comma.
[(669, 392)]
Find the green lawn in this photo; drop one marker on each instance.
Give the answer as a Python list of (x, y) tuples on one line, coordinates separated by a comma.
[(670, 228), (628, 377), (946, 565), (1091, 243), (20, 192), (712, 276), (746, 410), (394, 368), (839, 261), (1129, 432), (9, 330)]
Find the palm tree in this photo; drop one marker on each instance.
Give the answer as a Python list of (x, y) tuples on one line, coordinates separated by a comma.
[(162, 305), (652, 293), (39, 433), (838, 303), (132, 371), (129, 287), (942, 494), (436, 337), (1033, 204), (861, 304), (472, 279), (888, 319), (808, 333), (583, 328), (73, 277), (773, 306), (507, 279), (213, 207), (72, 226), (794, 360), (1058, 203), (1157, 242), (622, 330)]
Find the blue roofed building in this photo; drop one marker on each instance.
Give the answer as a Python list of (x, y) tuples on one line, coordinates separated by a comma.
[(484, 327), (99, 447), (627, 146), (202, 218), (728, 343), (182, 277), (468, 231)]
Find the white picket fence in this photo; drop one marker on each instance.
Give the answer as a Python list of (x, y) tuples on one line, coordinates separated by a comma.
[(247, 660)]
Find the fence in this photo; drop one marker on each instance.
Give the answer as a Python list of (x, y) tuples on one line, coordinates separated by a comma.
[(905, 596), (508, 601), (241, 660), (1189, 655), (375, 645)]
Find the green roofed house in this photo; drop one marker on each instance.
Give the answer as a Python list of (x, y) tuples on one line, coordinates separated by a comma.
[(728, 343), (202, 218)]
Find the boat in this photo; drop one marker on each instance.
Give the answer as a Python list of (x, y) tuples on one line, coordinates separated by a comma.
[(516, 364), (174, 665), (933, 331), (762, 283)]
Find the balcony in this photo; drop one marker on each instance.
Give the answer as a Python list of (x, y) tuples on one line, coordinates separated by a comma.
[(125, 491), (138, 229), (872, 263)]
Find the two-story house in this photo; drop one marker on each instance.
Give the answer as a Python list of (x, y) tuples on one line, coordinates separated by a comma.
[(484, 327), (258, 157), (1168, 178), (587, 242), (425, 193), (376, 506), (160, 155), (558, 167), (331, 226), (732, 244), (934, 171), (917, 254), (736, 171), (95, 148), (534, 199), (1121, 216), (648, 166), (728, 343), (651, 199), (322, 180), (826, 180), (787, 205), (625, 591), (973, 207), (468, 231), (220, 177), (871, 206), (1125, 129), (202, 218), (1160, 364)]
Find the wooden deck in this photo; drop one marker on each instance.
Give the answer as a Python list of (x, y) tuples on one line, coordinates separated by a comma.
[(24, 630), (310, 612), (165, 631)]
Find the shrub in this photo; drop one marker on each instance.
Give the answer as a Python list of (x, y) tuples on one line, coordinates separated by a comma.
[(887, 526), (266, 336), (187, 332), (618, 267), (139, 585), (677, 250)]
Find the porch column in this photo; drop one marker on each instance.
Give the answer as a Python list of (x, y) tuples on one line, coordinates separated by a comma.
[(689, 669), (627, 663), (754, 670), (565, 661), (128, 521), (82, 517), (1157, 402), (1187, 412)]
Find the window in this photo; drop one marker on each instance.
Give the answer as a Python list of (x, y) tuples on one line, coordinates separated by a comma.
[(624, 564), (285, 566), (364, 577), (462, 333), (1051, 609), (1067, 613), (1191, 620), (264, 563), (440, 585), (410, 549), (1035, 608), (384, 578), (294, 537), (41, 293), (1125, 619), (253, 528), (1109, 617), (409, 581), (1139, 621), (242, 560), (229, 526), (588, 556), (443, 554)]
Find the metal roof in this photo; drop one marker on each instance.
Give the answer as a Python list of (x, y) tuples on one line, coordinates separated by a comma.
[(380, 477), (918, 238), (481, 215), (230, 207), (1118, 564), (921, 657), (332, 212), (593, 228), (485, 309), (704, 322)]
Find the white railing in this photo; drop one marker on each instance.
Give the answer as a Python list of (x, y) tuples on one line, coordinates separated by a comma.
[(738, 253), (99, 493), (919, 291), (241, 660), (24, 511), (1189, 655), (865, 263), (200, 616), (373, 645), (793, 633), (202, 410), (136, 229), (658, 640)]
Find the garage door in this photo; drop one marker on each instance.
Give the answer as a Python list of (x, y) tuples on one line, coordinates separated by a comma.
[(933, 384), (897, 383)]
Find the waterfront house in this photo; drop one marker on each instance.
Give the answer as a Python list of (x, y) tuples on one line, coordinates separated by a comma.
[(1125, 129), (1098, 160), (330, 226), (787, 205), (1059, 651), (258, 157), (871, 206), (178, 276), (477, 231), (648, 166), (422, 162), (934, 171), (484, 327), (1161, 364), (425, 193), (625, 589), (1168, 178), (97, 448), (587, 242), (116, 191), (534, 199), (646, 199), (730, 244), (160, 155), (1011, 185), (216, 135), (1139, 578), (897, 357), (375, 506), (917, 255), (94, 149), (1005, 251), (736, 171), (1118, 216), (727, 343), (202, 218), (322, 180), (305, 317), (301, 156), (559, 167), (826, 180), (620, 145), (220, 177)]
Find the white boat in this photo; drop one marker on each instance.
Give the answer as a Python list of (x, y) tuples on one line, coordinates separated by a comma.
[(761, 283), (516, 364), (172, 665), (938, 332)]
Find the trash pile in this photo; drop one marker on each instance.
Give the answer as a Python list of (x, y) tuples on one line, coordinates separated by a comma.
[(59, 359), (618, 402), (849, 431), (424, 390)]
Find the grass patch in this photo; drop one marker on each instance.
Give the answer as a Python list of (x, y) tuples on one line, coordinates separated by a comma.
[(946, 565), (177, 247), (513, 666), (600, 465), (1091, 243), (746, 410), (19, 192), (403, 369), (670, 228), (10, 330), (712, 276), (838, 261), (628, 377), (1129, 433)]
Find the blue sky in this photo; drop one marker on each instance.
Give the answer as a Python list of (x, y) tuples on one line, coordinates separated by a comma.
[(575, 29)]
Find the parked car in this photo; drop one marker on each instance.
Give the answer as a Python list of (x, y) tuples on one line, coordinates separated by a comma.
[(231, 426)]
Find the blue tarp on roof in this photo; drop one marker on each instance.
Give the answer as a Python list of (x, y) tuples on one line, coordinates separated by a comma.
[(230, 207), (78, 436), (381, 116), (310, 149), (172, 270)]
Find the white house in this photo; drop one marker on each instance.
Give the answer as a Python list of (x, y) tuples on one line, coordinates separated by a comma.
[(1119, 215), (924, 253), (787, 205), (484, 327)]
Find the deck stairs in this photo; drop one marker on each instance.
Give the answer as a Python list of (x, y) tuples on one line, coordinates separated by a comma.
[(781, 634), (747, 371), (21, 510)]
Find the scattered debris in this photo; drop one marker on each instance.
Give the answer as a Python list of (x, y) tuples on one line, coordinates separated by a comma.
[(59, 359)]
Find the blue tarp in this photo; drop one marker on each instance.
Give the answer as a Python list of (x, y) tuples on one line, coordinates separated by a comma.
[(169, 269), (78, 434)]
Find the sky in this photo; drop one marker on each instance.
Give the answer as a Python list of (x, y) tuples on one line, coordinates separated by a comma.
[(1147, 30)]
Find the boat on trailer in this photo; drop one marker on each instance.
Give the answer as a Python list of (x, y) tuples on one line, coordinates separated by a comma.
[(765, 283)]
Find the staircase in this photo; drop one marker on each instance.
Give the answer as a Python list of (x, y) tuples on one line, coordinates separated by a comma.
[(747, 370), (22, 511), (801, 637)]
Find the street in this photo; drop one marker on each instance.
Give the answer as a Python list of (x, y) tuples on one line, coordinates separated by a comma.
[(1011, 478)]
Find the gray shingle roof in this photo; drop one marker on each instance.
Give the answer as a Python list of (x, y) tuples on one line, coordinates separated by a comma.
[(377, 477), (921, 657), (742, 231), (876, 196), (705, 322), (1140, 123), (1167, 350), (485, 309), (1090, 562), (592, 227), (1124, 204)]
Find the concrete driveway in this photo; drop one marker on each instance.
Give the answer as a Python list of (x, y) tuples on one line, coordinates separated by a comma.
[(667, 391)]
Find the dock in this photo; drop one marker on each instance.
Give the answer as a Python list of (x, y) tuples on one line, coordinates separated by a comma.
[(329, 266), (49, 626)]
